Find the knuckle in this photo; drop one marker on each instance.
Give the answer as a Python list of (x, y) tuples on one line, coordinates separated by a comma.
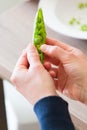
[(73, 56), (69, 57), (77, 52), (14, 78), (37, 66), (34, 55), (54, 49)]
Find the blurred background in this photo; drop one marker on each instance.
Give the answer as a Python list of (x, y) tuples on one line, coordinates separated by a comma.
[(20, 115), (6, 4)]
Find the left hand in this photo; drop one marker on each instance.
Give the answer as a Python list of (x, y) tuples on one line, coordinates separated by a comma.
[(30, 77)]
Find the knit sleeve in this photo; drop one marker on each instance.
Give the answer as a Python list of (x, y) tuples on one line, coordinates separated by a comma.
[(52, 113)]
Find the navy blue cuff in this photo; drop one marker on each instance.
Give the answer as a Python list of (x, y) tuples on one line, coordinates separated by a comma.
[(53, 114)]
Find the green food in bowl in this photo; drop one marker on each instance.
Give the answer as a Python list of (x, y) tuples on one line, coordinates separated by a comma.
[(82, 5), (73, 21), (83, 27)]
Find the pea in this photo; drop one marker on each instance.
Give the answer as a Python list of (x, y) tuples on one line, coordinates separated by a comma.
[(81, 5), (37, 40), (83, 27)]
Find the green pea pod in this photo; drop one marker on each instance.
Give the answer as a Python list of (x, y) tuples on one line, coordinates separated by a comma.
[(39, 36)]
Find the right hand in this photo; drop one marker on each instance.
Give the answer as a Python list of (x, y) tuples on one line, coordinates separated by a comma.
[(71, 73), (31, 79)]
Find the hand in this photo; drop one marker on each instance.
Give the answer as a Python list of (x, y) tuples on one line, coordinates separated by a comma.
[(70, 74), (30, 77)]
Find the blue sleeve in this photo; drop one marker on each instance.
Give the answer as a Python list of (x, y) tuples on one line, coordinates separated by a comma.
[(52, 113)]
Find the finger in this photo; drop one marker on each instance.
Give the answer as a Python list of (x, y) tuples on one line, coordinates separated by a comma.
[(56, 83), (55, 52), (23, 62), (22, 65), (51, 60), (64, 46), (33, 56), (54, 72), (47, 65)]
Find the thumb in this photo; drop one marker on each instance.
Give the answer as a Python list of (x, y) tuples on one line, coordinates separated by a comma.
[(55, 52), (32, 55)]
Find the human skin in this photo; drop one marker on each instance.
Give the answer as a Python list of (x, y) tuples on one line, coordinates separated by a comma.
[(30, 77), (70, 74)]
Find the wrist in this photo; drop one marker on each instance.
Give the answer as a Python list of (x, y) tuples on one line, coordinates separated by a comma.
[(42, 95), (83, 96)]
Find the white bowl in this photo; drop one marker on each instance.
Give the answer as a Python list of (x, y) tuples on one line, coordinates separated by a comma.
[(57, 14)]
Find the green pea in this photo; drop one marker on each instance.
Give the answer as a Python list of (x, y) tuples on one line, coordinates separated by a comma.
[(83, 27), (37, 39), (81, 5)]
